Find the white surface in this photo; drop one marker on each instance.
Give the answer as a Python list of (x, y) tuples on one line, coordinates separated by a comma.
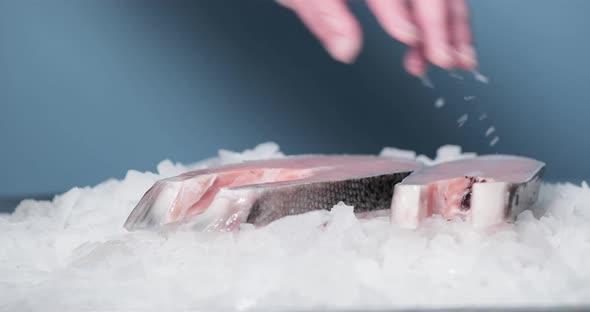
[(488, 203), (72, 254), (410, 205)]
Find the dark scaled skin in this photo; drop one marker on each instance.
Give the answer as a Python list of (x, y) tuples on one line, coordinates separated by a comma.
[(365, 194)]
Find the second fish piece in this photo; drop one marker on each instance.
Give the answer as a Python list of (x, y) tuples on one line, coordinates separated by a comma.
[(485, 191)]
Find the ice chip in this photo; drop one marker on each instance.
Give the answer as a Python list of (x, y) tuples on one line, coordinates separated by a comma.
[(454, 74), (481, 78), (268, 150), (427, 82), (397, 153), (494, 141), (462, 120), (167, 168), (490, 131), (451, 152)]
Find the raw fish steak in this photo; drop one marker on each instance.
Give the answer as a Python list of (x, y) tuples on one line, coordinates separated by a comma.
[(485, 190), (260, 192)]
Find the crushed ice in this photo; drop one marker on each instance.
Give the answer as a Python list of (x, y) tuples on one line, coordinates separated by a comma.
[(72, 254)]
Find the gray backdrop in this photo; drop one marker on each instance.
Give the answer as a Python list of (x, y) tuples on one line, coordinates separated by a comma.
[(90, 89)]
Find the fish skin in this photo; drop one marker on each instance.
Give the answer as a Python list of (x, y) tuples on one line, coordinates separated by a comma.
[(523, 196), (140, 217), (364, 194)]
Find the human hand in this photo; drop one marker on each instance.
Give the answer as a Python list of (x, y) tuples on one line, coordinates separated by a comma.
[(437, 31)]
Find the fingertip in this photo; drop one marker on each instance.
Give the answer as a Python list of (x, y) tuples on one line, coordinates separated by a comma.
[(344, 39), (442, 57), (414, 63), (466, 57), (415, 71), (395, 18), (433, 19), (465, 54), (334, 26), (343, 48), (403, 30)]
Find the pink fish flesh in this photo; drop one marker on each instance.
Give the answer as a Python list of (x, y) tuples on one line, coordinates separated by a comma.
[(485, 190), (260, 192)]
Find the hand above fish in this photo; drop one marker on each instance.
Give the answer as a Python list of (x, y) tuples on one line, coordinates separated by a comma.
[(436, 31)]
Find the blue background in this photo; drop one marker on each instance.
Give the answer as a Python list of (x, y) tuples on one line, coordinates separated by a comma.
[(90, 89)]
